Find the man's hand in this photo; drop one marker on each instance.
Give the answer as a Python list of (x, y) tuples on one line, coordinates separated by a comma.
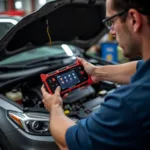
[(91, 70), (51, 100)]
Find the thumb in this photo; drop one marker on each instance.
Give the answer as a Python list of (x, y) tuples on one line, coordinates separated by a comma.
[(84, 62), (57, 91)]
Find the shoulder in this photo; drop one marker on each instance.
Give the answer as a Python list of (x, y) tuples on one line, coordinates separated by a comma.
[(140, 63)]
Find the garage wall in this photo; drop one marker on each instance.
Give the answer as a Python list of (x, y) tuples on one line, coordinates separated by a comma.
[(2, 5)]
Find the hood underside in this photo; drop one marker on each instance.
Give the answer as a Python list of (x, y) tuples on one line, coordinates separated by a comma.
[(73, 21)]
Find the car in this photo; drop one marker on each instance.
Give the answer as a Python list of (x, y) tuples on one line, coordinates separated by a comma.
[(42, 42), (7, 22)]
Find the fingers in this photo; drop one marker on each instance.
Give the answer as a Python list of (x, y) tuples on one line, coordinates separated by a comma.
[(44, 102), (43, 89), (57, 91), (65, 96), (82, 61), (44, 92), (83, 87)]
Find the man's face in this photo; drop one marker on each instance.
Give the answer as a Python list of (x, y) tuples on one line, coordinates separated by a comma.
[(125, 37)]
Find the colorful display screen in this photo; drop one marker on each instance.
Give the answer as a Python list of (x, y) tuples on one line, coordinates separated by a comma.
[(68, 79)]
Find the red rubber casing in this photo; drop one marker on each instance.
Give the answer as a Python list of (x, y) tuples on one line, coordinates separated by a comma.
[(44, 78)]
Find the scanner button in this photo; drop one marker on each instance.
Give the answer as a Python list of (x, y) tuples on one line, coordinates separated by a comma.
[(82, 72), (53, 79), (80, 68), (50, 81), (85, 78)]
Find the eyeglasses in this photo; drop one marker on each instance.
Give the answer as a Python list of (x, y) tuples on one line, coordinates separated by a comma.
[(108, 21)]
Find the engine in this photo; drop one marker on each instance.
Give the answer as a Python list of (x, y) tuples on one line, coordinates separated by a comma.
[(79, 104)]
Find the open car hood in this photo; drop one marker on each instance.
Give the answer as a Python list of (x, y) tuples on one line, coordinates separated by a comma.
[(70, 21)]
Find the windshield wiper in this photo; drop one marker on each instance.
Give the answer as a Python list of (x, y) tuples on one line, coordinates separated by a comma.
[(45, 59), (34, 63)]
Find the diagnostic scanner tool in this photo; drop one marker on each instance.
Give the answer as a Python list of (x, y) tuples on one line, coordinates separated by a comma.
[(68, 78)]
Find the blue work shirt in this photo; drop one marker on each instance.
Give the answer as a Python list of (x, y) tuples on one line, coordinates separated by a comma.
[(123, 120)]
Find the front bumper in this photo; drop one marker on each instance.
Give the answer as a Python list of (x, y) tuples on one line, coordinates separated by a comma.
[(19, 140)]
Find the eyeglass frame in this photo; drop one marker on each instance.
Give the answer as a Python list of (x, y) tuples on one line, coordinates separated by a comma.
[(110, 18)]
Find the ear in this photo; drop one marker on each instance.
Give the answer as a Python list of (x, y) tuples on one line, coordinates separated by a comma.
[(135, 19)]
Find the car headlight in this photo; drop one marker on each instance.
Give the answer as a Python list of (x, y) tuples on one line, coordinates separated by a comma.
[(33, 123)]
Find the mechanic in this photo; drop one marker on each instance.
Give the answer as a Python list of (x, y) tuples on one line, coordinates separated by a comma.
[(123, 120)]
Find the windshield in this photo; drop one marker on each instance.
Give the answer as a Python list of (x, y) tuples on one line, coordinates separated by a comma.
[(39, 53)]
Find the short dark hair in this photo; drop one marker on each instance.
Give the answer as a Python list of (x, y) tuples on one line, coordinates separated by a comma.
[(140, 5)]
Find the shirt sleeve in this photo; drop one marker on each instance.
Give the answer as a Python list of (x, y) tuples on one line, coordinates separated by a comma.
[(113, 126), (139, 64)]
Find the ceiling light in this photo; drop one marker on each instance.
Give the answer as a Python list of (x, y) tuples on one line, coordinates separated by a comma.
[(42, 2), (18, 5)]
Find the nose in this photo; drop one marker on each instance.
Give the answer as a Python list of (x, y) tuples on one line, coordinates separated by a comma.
[(112, 32)]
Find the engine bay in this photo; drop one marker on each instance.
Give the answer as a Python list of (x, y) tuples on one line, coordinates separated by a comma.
[(24, 88), (79, 103)]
